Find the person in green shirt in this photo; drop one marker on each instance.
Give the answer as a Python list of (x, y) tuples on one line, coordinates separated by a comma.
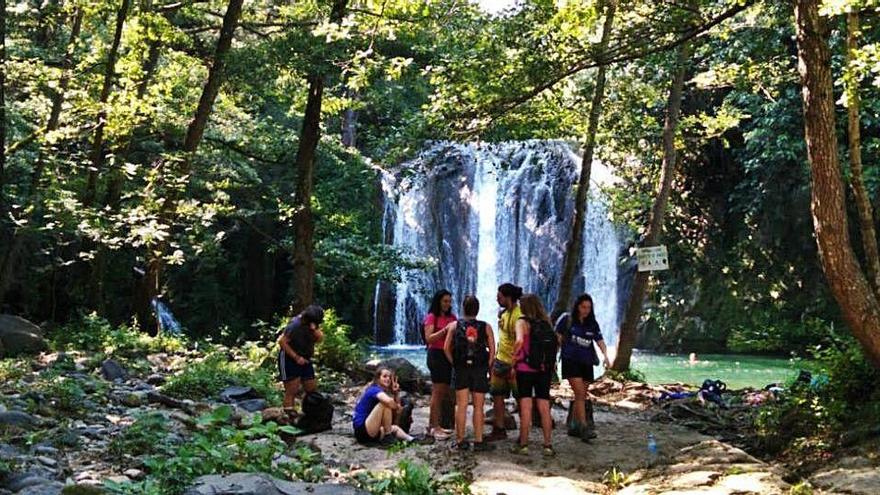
[(503, 380)]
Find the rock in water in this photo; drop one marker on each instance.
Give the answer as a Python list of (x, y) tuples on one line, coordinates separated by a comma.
[(112, 371), (19, 336), (263, 484)]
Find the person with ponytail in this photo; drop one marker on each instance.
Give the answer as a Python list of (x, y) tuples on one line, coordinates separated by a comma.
[(534, 358), (578, 331), (503, 379), (435, 331)]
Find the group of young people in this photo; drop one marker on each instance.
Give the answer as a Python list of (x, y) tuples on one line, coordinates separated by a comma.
[(463, 355)]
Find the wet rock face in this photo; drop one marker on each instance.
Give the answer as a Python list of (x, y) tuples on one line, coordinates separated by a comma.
[(437, 213)]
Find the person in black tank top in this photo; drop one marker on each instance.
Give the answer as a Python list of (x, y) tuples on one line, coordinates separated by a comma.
[(470, 348)]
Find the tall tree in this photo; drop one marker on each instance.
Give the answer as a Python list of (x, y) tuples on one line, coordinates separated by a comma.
[(574, 245), (9, 261), (97, 153), (633, 313), (2, 104), (195, 131), (858, 304), (304, 222), (863, 201)]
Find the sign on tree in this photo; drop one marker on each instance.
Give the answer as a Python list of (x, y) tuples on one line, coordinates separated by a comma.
[(652, 258)]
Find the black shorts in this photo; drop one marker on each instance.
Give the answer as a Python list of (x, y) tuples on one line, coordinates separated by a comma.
[(441, 369), (363, 436), (475, 378), (535, 385), (289, 370), (577, 369)]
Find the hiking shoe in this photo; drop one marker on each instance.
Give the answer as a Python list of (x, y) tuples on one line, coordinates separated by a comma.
[(519, 449), (483, 447), (548, 451), (588, 434), (497, 434)]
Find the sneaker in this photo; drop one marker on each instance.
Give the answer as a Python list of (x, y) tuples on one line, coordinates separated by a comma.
[(439, 434), (421, 440), (497, 434), (519, 449), (463, 446), (548, 451), (483, 447)]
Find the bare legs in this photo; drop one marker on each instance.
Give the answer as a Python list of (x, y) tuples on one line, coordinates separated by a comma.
[(525, 420), (479, 416), (438, 392), (379, 424)]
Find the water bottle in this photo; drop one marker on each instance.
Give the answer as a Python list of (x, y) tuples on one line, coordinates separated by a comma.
[(652, 448)]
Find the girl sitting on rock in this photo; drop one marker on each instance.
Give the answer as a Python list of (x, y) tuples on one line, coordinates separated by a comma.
[(374, 413)]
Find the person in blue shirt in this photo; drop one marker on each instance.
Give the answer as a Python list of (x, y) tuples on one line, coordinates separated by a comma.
[(374, 413), (577, 332)]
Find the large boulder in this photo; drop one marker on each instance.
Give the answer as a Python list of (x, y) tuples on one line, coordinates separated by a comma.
[(408, 376), (263, 484), (19, 336)]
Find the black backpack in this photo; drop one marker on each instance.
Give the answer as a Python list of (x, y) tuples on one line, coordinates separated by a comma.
[(542, 345), (317, 413), (460, 344)]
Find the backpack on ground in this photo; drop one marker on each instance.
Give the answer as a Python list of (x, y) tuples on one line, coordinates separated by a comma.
[(317, 413), (542, 346), (460, 344)]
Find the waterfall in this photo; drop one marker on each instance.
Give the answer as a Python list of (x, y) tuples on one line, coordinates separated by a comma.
[(487, 214)]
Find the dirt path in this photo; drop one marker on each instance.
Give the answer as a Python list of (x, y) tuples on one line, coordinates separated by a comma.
[(688, 462)]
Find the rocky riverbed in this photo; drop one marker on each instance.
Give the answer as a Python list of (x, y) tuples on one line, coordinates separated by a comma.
[(62, 417)]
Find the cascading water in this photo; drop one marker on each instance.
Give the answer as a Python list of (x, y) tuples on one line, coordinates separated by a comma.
[(488, 214)]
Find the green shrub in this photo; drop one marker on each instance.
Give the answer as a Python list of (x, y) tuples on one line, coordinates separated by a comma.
[(207, 378), (13, 369), (141, 437), (413, 478), (337, 351), (64, 394), (220, 448), (810, 417), (92, 333)]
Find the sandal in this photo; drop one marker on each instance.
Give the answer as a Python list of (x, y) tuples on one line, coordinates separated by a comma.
[(439, 434)]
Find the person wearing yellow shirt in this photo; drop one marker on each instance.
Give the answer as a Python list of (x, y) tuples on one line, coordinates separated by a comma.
[(503, 379)]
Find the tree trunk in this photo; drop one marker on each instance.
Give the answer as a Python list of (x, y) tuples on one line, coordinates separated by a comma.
[(150, 283), (304, 223), (863, 202), (633, 313), (851, 289), (2, 108), (97, 153), (574, 246)]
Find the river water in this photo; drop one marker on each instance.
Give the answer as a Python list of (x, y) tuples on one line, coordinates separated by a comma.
[(736, 370)]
